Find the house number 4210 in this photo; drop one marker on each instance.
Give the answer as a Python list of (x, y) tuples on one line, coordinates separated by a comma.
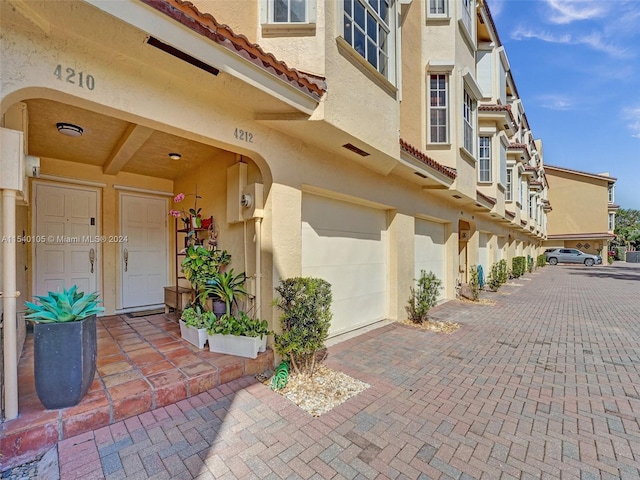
[(70, 75)]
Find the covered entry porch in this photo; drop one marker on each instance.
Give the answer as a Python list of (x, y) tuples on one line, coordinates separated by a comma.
[(143, 364)]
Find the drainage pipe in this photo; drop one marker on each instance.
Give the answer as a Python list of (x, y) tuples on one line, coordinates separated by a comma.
[(258, 266)]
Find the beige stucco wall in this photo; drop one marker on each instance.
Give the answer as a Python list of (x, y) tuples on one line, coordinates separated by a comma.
[(583, 201)]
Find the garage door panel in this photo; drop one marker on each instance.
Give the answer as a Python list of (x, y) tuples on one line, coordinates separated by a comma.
[(346, 244)]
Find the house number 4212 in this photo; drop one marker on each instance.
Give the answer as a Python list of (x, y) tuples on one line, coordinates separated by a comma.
[(70, 75), (243, 135)]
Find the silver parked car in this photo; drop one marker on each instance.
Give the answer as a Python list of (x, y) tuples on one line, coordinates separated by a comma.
[(571, 255)]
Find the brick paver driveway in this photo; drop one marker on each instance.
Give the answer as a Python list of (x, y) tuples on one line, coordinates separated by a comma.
[(543, 384)]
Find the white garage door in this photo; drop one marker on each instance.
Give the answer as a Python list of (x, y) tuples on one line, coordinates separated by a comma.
[(346, 244), (430, 252)]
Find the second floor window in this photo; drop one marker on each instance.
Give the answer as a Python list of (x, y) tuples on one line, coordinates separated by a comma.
[(468, 107), (508, 195), (288, 11), (467, 6), (437, 7), (438, 108), (366, 28), (611, 196), (484, 159), (612, 222)]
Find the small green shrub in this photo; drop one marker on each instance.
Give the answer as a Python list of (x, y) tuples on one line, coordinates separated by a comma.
[(494, 278), (518, 266), (541, 260), (474, 283), (423, 297), (306, 306), (503, 272), (610, 259), (195, 317)]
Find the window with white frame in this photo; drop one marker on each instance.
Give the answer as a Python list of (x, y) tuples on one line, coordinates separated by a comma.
[(611, 194), (612, 222), (508, 191), (467, 15), (503, 164), (438, 8), (484, 159), (468, 109), (367, 26), (438, 108), (288, 11), (532, 206)]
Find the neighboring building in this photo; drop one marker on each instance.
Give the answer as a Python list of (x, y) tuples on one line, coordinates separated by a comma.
[(584, 217), (398, 143)]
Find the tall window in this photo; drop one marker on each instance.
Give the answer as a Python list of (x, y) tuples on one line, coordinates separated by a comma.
[(288, 11), (611, 196), (532, 206), (467, 5), (612, 222), (366, 28), (484, 159), (508, 192), (468, 106), (438, 108), (438, 7)]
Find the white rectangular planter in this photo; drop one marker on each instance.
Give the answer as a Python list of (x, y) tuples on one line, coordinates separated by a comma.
[(263, 343), (195, 336), (232, 345)]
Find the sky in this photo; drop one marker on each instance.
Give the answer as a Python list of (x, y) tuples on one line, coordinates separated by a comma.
[(576, 65)]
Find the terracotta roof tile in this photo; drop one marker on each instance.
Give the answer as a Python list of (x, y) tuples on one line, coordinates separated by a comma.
[(417, 154), (188, 15), (499, 108), (486, 198), (517, 146)]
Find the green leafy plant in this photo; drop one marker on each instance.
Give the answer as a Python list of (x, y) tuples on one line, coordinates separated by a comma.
[(194, 317), (240, 324), (529, 264), (474, 283), (493, 279), (226, 286), (423, 296), (541, 260), (65, 306), (518, 266), (306, 306), (201, 266), (503, 271)]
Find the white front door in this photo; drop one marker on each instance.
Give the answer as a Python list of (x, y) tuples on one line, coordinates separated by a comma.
[(143, 250), (66, 248)]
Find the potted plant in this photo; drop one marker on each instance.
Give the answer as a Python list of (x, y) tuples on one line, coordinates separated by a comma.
[(201, 266), (237, 335), (65, 345), (225, 287), (193, 326)]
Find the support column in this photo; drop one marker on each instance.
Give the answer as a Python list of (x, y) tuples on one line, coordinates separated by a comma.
[(9, 299)]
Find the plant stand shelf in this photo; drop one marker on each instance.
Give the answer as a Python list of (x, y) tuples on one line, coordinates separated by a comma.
[(176, 298)]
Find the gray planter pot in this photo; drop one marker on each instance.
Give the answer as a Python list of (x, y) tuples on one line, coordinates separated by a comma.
[(64, 361)]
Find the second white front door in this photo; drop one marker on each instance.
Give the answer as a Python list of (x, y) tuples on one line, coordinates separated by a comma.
[(143, 250)]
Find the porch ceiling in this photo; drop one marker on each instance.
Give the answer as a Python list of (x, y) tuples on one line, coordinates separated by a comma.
[(113, 144)]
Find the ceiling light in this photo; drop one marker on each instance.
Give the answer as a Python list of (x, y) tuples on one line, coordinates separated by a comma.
[(69, 129), (175, 156)]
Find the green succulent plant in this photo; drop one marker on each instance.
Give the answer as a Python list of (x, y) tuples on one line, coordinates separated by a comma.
[(65, 306)]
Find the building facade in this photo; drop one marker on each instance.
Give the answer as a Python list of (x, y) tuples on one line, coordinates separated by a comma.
[(586, 220), (376, 138)]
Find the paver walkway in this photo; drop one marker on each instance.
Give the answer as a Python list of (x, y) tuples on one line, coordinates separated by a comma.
[(543, 384)]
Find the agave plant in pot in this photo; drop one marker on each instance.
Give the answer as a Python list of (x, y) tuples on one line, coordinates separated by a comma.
[(65, 345)]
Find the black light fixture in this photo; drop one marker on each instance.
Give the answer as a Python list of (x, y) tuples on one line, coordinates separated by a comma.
[(175, 156), (69, 129)]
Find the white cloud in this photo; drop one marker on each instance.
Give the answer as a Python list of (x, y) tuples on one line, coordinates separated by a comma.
[(555, 102), (496, 7), (567, 11), (632, 115), (593, 40)]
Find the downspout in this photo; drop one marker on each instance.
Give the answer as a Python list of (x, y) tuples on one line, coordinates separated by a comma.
[(9, 296), (258, 227)]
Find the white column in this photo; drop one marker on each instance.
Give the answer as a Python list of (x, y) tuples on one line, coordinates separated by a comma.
[(9, 298)]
